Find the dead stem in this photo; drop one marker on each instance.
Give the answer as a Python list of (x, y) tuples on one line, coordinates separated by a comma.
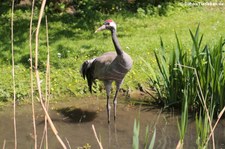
[(31, 77), (13, 79), (68, 143), (4, 143), (217, 121), (38, 77), (42, 138), (47, 89), (99, 143), (47, 86)]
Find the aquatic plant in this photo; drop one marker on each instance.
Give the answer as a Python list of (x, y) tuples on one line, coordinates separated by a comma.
[(182, 125), (174, 78), (136, 132), (193, 79), (202, 129)]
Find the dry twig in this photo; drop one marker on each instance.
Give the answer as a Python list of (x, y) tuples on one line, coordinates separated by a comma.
[(38, 77), (214, 127), (31, 77), (4, 143), (13, 78), (99, 143)]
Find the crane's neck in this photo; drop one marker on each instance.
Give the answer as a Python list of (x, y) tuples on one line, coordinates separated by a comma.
[(116, 43)]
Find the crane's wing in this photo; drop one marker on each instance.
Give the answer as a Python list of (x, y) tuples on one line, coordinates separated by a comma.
[(111, 66)]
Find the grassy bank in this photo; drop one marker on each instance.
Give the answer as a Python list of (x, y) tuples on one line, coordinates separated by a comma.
[(72, 40)]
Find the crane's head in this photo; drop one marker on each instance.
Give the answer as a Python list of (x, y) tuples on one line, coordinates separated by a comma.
[(108, 24)]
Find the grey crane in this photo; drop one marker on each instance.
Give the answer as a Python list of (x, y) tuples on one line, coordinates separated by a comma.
[(111, 66)]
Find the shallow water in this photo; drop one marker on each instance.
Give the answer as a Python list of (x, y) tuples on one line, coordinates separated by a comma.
[(74, 118)]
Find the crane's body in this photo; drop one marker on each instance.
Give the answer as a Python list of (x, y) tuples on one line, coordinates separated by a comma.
[(109, 67)]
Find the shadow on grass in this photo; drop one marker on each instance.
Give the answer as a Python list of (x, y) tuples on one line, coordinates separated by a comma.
[(72, 28)]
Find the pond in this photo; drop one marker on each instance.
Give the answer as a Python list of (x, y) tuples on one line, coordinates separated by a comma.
[(74, 118)]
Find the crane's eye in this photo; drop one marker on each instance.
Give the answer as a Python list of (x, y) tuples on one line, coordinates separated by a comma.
[(107, 23)]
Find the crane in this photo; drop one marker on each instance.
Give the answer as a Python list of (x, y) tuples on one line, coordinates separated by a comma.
[(109, 67)]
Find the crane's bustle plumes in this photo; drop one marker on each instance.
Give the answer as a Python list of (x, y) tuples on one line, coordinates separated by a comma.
[(86, 72)]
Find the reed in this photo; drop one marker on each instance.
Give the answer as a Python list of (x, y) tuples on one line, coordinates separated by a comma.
[(31, 75), (13, 77), (151, 145), (192, 79), (203, 129), (50, 122), (182, 125), (173, 78), (136, 132), (47, 88), (96, 137)]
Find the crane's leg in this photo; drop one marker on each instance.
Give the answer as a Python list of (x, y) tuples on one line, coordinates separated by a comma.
[(108, 85), (118, 84), (115, 103)]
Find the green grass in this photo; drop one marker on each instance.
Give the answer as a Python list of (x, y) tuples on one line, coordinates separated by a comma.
[(72, 40)]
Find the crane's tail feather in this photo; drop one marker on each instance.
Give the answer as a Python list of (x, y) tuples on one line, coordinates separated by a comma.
[(87, 72)]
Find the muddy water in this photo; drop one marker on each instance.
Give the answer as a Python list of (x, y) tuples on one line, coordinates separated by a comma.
[(73, 119)]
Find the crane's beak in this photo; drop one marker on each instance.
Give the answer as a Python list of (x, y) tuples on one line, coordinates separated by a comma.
[(103, 27)]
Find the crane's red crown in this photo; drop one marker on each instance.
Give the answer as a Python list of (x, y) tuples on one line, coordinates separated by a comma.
[(109, 20), (108, 24)]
